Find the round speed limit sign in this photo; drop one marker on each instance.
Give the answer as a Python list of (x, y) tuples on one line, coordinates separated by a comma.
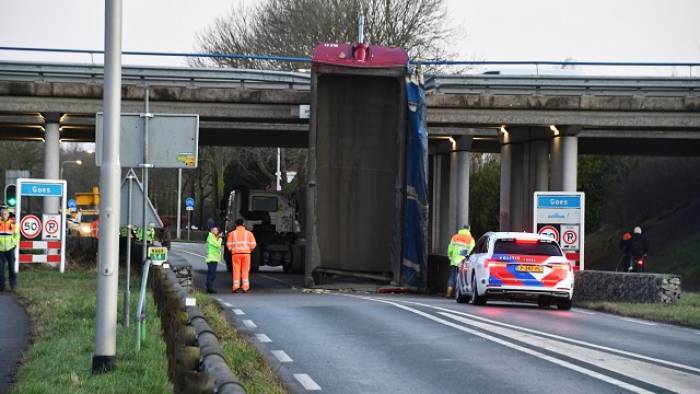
[(30, 226)]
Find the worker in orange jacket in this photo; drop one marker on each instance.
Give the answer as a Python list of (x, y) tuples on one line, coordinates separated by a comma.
[(241, 243)]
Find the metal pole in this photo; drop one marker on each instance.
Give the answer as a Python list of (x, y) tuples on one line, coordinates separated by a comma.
[(105, 355), (127, 291), (189, 216), (179, 202), (279, 171), (361, 29), (144, 226)]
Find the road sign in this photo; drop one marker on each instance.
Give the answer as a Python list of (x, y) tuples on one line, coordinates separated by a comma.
[(189, 203), (561, 215), (30, 226), (41, 189), (172, 140), (157, 254), (136, 204), (72, 204), (569, 237), (549, 231), (52, 228)]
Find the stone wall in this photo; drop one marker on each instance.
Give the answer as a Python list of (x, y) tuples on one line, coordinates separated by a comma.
[(626, 287)]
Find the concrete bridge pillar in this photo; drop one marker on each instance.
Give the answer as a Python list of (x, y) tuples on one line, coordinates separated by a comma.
[(52, 149), (564, 159), (463, 145), (444, 194), (505, 191)]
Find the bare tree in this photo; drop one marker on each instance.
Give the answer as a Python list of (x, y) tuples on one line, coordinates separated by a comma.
[(293, 28)]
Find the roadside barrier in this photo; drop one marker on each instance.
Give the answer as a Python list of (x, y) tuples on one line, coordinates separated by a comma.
[(591, 285), (195, 360)]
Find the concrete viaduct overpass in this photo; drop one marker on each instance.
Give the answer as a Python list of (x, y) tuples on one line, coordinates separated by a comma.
[(539, 124)]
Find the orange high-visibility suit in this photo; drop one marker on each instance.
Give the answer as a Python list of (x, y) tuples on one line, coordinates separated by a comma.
[(240, 242)]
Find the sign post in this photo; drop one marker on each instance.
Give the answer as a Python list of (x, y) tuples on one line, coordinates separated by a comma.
[(561, 216), (189, 206), (53, 227)]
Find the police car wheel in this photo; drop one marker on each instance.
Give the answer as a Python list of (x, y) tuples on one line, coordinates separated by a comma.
[(459, 297), (564, 305), (476, 298)]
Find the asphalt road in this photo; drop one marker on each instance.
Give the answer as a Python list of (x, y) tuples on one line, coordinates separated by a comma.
[(370, 343)]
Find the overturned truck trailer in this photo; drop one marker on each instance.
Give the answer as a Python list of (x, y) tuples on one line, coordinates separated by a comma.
[(367, 186)]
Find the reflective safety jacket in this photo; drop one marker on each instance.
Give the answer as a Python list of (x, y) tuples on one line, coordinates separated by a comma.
[(213, 248), (240, 241), (461, 241), (151, 234), (9, 235)]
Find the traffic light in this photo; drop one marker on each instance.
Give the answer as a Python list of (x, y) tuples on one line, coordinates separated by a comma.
[(11, 195)]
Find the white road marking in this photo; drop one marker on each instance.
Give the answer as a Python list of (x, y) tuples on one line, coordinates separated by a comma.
[(249, 324), (238, 312), (281, 356), (263, 338), (519, 348), (307, 382), (646, 323), (193, 254), (656, 375), (228, 304), (566, 339), (584, 312), (274, 279)]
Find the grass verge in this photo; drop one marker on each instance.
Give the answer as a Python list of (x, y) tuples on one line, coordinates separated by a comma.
[(243, 358), (685, 312), (59, 358)]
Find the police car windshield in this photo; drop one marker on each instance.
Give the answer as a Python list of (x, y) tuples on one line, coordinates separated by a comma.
[(538, 248)]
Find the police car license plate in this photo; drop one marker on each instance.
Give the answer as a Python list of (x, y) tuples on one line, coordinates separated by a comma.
[(530, 268)]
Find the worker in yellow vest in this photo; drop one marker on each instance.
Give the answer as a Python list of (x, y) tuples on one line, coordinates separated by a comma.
[(461, 245), (9, 238)]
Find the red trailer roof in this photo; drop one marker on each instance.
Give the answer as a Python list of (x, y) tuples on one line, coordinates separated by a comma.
[(359, 55)]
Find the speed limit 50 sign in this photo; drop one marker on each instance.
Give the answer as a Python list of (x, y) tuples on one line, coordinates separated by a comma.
[(30, 226)]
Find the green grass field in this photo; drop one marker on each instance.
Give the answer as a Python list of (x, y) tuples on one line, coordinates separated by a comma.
[(245, 360), (59, 358), (685, 312)]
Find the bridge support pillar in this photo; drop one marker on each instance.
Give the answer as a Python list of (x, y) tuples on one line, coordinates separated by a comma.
[(52, 149), (505, 191), (564, 159), (464, 144)]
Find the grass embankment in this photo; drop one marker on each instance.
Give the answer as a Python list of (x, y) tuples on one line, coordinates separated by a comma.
[(59, 358), (685, 312), (243, 358)]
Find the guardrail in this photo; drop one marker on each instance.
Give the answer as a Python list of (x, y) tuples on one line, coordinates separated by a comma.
[(156, 76), (555, 84), (195, 360)]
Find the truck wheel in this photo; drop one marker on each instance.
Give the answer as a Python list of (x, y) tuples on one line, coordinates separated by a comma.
[(255, 260), (297, 259)]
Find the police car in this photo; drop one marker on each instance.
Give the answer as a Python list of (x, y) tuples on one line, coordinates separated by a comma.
[(516, 266)]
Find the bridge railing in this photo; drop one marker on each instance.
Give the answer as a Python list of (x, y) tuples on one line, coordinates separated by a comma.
[(154, 76)]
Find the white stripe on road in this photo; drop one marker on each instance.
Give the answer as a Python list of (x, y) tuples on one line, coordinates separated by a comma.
[(238, 312), (646, 323), (519, 348), (281, 356), (566, 339), (307, 382), (643, 371), (249, 323), (584, 312), (263, 338), (193, 254), (228, 304)]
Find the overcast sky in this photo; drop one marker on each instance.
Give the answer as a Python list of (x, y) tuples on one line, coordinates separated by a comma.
[(604, 30)]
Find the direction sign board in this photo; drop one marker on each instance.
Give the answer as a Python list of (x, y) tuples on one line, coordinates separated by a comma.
[(30, 226), (172, 140), (51, 228), (561, 215), (136, 204)]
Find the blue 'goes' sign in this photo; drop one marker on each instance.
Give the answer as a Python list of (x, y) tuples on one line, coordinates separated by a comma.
[(37, 189), (553, 201)]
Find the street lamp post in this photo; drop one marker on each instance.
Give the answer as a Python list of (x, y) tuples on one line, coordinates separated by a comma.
[(78, 162)]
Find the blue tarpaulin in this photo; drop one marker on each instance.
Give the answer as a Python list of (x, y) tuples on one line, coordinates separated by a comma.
[(414, 265)]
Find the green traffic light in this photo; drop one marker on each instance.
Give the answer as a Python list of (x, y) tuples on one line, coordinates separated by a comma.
[(11, 202)]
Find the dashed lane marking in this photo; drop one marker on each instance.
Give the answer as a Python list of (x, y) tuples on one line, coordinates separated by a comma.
[(263, 338), (585, 312), (249, 324), (193, 254), (281, 356), (237, 312), (306, 381), (228, 304)]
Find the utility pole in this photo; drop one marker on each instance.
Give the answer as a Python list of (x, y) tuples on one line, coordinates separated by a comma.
[(179, 203), (105, 356)]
